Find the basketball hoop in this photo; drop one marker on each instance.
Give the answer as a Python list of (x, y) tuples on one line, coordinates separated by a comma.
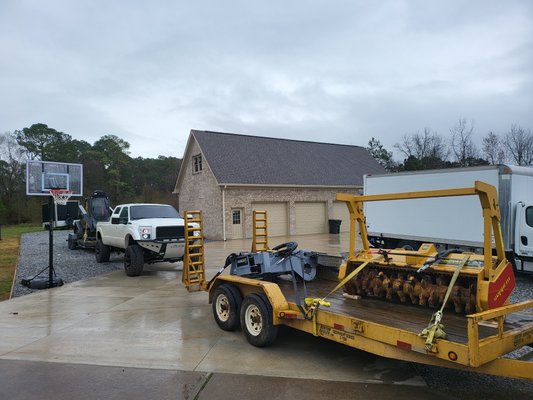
[(60, 196)]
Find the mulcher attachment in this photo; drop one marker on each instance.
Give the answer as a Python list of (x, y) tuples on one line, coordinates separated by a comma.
[(424, 289), (422, 277)]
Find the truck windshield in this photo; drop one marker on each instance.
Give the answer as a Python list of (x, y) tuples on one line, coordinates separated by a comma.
[(153, 211)]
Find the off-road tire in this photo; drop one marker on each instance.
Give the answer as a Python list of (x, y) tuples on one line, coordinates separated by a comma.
[(133, 260), (226, 305), (102, 252), (256, 320)]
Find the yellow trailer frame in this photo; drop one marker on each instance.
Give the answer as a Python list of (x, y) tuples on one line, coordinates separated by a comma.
[(484, 355)]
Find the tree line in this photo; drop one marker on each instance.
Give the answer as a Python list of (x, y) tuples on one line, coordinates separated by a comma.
[(107, 166), (428, 149)]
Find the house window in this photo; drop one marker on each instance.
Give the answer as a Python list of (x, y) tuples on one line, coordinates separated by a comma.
[(236, 217), (197, 163)]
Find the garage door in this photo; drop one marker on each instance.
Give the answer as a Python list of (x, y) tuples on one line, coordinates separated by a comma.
[(340, 211), (277, 217), (311, 218)]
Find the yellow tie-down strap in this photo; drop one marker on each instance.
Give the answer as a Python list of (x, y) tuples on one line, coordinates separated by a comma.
[(312, 304)]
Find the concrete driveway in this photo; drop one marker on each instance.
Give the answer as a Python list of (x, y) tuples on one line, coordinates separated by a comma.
[(147, 337)]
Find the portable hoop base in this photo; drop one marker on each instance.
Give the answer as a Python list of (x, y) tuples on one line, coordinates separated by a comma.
[(57, 197), (41, 282)]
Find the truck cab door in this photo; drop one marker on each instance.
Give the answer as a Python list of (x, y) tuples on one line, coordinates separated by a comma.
[(524, 229)]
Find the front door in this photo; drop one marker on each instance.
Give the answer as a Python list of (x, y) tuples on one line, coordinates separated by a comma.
[(237, 223), (524, 229)]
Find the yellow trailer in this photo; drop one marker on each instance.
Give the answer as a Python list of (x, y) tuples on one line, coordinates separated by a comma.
[(447, 309)]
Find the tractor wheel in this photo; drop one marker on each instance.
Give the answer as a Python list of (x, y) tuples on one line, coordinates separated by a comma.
[(256, 320), (227, 302), (133, 260), (102, 252), (72, 242)]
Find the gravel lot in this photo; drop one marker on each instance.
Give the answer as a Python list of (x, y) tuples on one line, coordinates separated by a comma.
[(73, 265), (69, 265)]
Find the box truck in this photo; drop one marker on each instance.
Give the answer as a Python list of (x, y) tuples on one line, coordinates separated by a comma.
[(406, 224)]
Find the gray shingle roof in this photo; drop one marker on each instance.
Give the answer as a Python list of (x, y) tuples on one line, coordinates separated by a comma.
[(243, 159)]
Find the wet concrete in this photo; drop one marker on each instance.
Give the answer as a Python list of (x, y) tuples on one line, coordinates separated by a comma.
[(147, 337)]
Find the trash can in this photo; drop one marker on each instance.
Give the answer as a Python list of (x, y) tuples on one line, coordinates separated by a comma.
[(334, 226)]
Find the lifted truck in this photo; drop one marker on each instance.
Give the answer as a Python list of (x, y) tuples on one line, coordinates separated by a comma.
[(450, 309), (145, 233)]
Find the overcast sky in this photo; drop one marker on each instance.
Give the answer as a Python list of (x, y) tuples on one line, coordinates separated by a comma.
[(330, 71)]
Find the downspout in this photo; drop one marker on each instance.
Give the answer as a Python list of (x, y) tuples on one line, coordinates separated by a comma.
[(224, 212)]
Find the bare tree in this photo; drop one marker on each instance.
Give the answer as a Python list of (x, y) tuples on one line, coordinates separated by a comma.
[(423, 145), (519, 143), (493, 149), (462, 146)]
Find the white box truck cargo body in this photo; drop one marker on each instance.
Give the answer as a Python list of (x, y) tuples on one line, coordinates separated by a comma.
[(407, 223)]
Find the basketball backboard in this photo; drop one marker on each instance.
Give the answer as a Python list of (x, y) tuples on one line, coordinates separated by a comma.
[(41, 176)]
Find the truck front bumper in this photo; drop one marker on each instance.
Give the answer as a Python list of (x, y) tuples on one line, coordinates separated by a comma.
[(164, 249)]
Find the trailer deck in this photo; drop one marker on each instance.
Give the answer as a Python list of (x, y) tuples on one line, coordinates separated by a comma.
[(410, 318)]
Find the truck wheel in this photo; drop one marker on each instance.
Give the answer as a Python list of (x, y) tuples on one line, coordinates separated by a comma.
[(102, 252), (133, 260), (227, 302), (72, 242), (408, 245), (256, 320)]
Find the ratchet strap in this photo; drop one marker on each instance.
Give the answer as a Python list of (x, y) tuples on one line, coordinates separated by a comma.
[(435, 329), (312, 304)]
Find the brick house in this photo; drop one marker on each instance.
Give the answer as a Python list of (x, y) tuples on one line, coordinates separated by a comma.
[(228, 175)]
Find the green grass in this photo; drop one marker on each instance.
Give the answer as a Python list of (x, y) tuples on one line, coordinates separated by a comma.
[(9, 252)]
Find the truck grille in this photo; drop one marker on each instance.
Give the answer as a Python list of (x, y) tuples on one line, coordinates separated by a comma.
[(169, 232)]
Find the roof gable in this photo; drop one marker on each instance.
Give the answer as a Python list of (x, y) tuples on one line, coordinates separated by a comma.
[(254, 160)]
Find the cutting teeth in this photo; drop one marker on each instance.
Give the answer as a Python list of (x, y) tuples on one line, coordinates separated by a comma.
[(426, 290)]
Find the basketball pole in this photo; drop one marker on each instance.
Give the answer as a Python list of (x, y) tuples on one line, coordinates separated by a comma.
[(51, 213)]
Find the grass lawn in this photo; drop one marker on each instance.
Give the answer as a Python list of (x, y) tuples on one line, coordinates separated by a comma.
[(9, 252)]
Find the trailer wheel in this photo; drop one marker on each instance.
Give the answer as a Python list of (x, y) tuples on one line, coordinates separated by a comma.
[(133, 260), (227, 302), (102, 252), (256, 320), (408, 245)]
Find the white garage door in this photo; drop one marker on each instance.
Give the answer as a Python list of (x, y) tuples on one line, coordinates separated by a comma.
[(311, 218), (340, 211), (276, 217)]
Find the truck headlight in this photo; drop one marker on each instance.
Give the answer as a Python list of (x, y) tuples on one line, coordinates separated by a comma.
[(146, 232)]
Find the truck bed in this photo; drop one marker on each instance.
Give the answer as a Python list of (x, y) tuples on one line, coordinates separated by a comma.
[(407, 317)]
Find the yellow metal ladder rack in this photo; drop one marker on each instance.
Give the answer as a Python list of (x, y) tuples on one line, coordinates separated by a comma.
[(260, 231), (193, 275)]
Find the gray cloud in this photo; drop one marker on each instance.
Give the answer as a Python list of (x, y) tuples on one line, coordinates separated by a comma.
[(343, 71)]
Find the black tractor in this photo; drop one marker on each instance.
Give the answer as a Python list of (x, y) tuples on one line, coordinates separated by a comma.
[(97, 209)]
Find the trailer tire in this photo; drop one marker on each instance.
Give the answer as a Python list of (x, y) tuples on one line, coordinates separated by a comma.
[(102, 252), (133, 260), (256, 320), (408, 245), (227, 301)]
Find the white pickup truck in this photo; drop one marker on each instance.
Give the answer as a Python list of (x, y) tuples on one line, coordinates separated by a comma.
[(146, 233)]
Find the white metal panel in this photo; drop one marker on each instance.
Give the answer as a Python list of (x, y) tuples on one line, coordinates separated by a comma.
[(277, 219), (310, 218), (448, 220), (340, 211)]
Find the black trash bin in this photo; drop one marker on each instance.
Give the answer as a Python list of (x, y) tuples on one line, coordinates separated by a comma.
[(334, 226)]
